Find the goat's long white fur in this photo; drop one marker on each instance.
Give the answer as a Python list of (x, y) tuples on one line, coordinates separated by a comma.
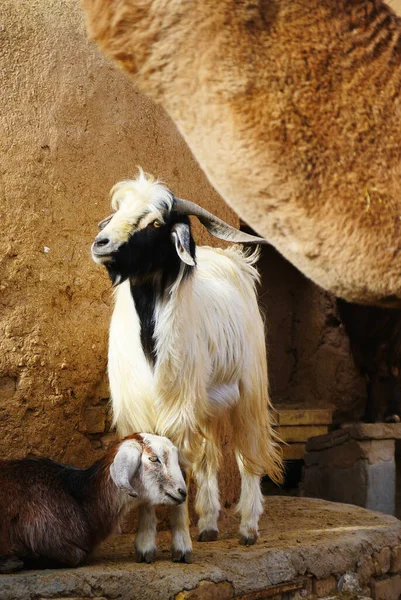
[(211, 364)]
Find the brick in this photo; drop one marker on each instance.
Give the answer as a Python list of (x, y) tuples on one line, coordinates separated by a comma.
[(386, 588), (360, 432), (396, 560), (376, 431), (311, 416), (382, 561), (207, 590), (378, 450), (293, 451), (366, 570), (324, 587), (300, 433)]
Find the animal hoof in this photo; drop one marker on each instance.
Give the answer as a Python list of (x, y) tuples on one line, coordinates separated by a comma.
[(208, 535), (10, 564), (248, 540), (393, 419), (180, 556), (145, 557)]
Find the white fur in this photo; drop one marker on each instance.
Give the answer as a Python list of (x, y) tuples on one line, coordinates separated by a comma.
[(134, 470), (211, 363)]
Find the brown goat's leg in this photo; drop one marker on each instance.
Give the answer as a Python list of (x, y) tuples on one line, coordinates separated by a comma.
[(10, 564)]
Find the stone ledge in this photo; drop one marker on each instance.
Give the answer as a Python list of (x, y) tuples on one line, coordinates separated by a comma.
[(361, 431), (300, 538)]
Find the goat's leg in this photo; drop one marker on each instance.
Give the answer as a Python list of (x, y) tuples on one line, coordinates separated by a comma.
[(207, 503), (10, 564), (145, 539), (250, 505), (181, 547)]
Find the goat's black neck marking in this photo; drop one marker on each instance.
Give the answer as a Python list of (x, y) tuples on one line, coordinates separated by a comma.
[(144, 296)]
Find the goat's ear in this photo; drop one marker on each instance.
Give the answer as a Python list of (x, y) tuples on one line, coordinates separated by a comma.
[(181, 236), (125, 465)]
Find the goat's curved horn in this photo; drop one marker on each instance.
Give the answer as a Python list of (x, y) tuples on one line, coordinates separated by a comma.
[(214, 225)]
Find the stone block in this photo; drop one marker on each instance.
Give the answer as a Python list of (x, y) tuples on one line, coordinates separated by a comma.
[(396, 560), (360, 472), (380, 493), (339, 485), (361, 431), (293, 451), (305, 416), (377, 451), (386, 588), (207, 590), (366, 569), (300, 433), (324, 587), (382, 561)]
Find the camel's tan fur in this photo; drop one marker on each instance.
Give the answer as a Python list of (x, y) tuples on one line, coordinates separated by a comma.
[(293, 109)]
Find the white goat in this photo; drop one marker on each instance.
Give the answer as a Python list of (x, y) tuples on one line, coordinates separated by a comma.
[(187, 347), (54, 514)]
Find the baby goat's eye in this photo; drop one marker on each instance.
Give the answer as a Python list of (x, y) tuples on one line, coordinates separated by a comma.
[(154, 459), (157, 223)]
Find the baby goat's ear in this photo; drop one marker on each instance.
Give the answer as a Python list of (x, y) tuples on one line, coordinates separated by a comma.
[(125, 465)]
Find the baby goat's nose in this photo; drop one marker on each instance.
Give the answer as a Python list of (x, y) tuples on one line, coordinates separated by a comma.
[(182, 493)]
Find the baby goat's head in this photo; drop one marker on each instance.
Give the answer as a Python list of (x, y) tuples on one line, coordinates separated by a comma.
[(150, 231), (146, 467)]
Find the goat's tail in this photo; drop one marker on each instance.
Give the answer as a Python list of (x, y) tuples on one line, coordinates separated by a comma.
[(254, 437)]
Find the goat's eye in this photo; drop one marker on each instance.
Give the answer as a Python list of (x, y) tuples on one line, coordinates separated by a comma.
[(157, 223), (154, 459)]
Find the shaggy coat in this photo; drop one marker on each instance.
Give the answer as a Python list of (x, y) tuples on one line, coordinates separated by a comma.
[(187, 347), (55, 515), (293, 110)]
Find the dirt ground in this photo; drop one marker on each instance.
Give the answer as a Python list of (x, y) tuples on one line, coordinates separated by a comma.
[(299, 538)]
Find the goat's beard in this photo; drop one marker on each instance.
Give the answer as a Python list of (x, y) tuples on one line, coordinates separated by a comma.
[(116, 277)]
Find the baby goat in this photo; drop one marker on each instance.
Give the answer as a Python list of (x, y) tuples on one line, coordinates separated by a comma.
[(55, 515)]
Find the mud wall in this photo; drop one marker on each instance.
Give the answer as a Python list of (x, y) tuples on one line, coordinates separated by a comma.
[(309, 358), (72, 126)]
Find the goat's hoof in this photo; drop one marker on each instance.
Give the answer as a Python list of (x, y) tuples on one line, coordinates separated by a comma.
[(181, 556), (208, 535), (145, 557), (248, 540), (10, 564)]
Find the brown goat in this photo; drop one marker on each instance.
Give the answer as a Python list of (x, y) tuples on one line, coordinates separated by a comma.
[(54, 515), (293, 110)]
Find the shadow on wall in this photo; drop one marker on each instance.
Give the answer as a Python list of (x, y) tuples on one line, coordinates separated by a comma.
[(309, 359)]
